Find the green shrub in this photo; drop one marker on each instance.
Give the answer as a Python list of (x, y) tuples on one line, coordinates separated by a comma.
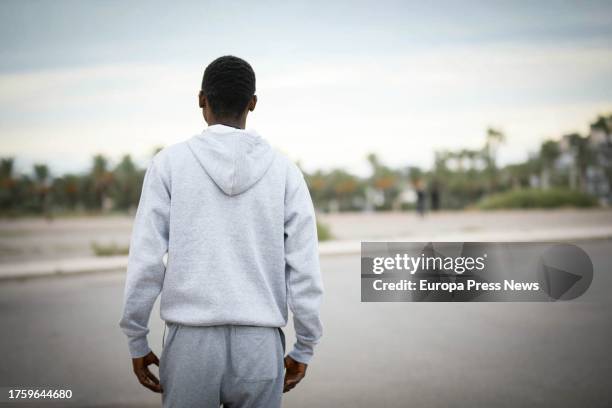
[(532, 198), (323, 232), (111, 249)]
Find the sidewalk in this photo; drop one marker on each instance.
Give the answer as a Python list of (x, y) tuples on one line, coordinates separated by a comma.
[(329, 248)]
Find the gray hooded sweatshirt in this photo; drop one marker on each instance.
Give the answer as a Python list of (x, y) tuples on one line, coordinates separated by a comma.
[(236, 220)]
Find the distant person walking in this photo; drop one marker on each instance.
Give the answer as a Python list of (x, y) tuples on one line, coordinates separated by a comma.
[(420, 194), (434, 195), (237, 223)]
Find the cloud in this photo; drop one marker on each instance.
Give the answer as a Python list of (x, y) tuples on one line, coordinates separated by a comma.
[(326, 113)]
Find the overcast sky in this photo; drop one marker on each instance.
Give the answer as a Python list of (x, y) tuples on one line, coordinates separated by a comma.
[(335, 80)]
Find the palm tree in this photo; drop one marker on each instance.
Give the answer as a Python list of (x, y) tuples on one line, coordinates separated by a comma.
[(7, 183), (345, 188), (384, 179), (494, 139), (549, 153), (102, 180), (127, 183), (583, 156), (317, 185), (41, 177), (41, 173)]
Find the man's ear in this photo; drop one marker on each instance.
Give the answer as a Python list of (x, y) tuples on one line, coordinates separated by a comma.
[(202, 100), (252, 103)]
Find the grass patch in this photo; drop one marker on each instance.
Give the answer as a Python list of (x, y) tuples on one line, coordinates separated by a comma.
[(323, 232), (111, 249), (532, 198)]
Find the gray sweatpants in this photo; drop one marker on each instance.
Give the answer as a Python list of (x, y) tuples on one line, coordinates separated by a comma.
[(237, 366)]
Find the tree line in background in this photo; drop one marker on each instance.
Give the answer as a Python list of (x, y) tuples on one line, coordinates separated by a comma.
[(103, 188), (581, 163)]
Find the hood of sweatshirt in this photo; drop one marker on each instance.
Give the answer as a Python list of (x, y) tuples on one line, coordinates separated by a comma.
[(236, 159)]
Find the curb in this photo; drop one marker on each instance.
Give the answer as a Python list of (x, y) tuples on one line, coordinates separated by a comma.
[(62, 267), (575, 234), (331, 248)]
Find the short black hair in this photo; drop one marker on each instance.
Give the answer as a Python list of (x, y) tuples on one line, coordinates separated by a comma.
[(229, 85)]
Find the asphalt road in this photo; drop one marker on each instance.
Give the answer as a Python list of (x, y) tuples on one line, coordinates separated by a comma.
[(63, 332)]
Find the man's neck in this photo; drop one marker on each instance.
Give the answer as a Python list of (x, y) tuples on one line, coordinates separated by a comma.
[(235, 123)]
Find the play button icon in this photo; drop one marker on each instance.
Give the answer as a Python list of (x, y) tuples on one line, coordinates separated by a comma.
[(566, 272)]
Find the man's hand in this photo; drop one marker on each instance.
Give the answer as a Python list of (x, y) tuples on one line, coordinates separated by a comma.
[(294, 372), (146, 377)]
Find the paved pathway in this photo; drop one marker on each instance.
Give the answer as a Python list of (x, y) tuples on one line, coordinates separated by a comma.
[(37, 247), (63, 332)]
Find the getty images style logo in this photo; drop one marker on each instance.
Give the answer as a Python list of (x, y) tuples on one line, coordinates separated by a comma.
[(473, 272)]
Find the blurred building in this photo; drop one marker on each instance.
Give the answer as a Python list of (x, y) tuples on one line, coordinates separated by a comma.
[(599, 174), (586, 162)]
